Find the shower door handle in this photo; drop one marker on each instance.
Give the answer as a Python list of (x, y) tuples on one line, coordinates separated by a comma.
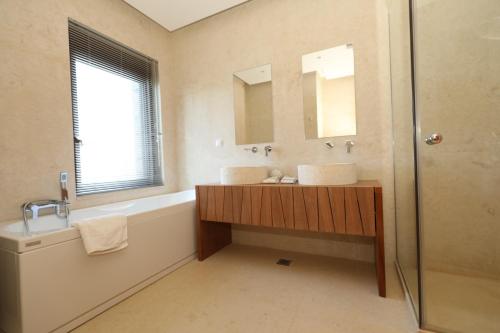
[(434, 139)]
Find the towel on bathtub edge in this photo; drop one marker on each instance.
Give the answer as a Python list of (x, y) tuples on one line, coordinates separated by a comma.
[(104, 234)]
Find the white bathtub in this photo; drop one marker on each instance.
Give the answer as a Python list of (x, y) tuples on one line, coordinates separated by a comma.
[(49, 284)]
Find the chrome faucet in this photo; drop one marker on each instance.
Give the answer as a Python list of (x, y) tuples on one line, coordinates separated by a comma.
[(253, 149), (60, 207), (329, 144), (268, 150), (349, 144)]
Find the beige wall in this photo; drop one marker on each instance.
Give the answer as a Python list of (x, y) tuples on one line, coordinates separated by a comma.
[(36, 138), (280, 32)]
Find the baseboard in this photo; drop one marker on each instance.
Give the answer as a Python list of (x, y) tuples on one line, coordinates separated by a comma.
[(120, 297)]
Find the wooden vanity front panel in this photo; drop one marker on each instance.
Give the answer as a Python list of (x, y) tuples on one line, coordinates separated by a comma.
[(277, 211), (256, 202), (286, 195), (366, 205), (266, 214), (342, 210), (299, 209), (337, 205), (325, 211), (237, 197), (311, 204), (246, 206), (228, 205)]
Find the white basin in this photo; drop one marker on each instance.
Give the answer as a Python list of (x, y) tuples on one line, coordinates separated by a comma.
[(238, 175), (329, 174)]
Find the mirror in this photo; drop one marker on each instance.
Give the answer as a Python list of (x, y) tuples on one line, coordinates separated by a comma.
[(329, 92), (253, 105)]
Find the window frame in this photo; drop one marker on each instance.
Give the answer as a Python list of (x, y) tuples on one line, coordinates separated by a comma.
[(152, 113)]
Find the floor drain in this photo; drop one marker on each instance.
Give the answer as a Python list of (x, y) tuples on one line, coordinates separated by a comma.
[(284, 262)]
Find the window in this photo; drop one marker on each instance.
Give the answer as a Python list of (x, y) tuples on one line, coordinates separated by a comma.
[(116, 124)]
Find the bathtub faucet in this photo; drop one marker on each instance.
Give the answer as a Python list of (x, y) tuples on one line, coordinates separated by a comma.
[(61, 209)]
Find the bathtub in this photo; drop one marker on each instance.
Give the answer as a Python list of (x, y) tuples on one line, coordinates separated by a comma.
[(49, 284)]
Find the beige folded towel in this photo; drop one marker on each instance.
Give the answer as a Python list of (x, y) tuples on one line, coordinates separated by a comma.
[(103, 234)]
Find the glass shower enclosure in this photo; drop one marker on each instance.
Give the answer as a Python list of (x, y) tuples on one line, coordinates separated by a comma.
[(445, 72)]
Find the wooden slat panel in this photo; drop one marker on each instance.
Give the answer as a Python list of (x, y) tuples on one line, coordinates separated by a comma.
[(203, 192), (367, 209), (278, 218), (266, 217), (338, 208), (256, 194), (287, 202), (237, 202), (211, 216), (352, 216), (228, 205), (299, 209), (335, 209), (325, 212), (246, 206), (219, 203), (311, 201)]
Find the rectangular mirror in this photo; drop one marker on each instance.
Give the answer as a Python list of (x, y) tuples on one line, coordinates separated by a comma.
[(253, 105), (329, 92)]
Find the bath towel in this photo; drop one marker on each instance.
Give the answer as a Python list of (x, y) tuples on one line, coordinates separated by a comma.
[(103, 234)]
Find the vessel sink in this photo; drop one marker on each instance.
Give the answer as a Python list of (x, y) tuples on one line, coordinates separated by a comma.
[(238, 175), (328, 174)]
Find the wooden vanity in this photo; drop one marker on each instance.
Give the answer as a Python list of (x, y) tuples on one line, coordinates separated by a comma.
[(350, 210)]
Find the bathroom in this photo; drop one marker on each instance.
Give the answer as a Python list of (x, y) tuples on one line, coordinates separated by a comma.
[(176, 166)]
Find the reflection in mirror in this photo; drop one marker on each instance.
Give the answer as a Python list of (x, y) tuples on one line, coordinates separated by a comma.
[(253, 105), (329, 93)]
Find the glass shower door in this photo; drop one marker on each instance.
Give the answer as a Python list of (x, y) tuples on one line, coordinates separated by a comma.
[(457, 93), (403, 147)]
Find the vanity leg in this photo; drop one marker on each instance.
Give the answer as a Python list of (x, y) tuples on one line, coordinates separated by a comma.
[(212, 236), (379, 242)]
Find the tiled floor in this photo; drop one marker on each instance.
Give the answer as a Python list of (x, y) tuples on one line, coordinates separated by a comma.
[(241, 289)]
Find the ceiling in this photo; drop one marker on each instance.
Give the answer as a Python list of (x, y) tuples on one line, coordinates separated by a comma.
[(175, 14)]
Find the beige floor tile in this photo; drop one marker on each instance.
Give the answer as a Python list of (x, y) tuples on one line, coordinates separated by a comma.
[(241, 289)]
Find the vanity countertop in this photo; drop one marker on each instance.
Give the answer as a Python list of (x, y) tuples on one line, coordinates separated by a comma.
[(361, 183)]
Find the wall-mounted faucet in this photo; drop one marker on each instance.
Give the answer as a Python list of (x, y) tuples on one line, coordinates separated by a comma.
[(329, 144), (349, 144), (268, 150), (253, 149)]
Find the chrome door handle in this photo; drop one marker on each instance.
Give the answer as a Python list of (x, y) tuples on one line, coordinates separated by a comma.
[(434, 139)]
